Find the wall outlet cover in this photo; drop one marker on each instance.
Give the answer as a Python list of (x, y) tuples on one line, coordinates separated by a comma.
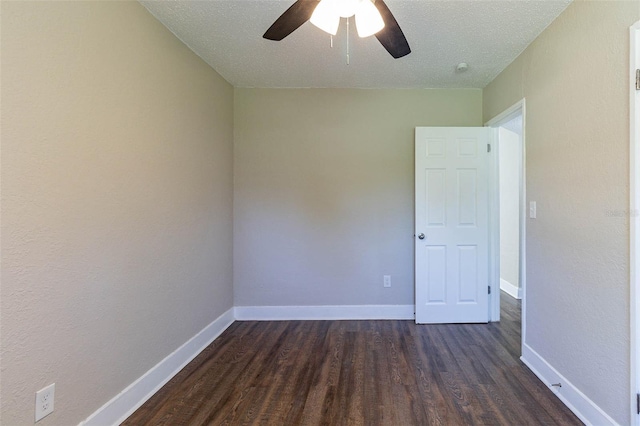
[(387, 281), (44, 401)]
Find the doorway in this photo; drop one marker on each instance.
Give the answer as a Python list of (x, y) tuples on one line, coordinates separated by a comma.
[(452, 225), (509, 178), (509, 210)]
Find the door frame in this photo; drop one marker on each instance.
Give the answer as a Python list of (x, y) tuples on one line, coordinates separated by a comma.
[(634, 217), (519, 108)]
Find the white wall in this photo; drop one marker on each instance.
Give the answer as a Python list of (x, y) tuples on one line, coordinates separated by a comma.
[(574, 77), (116, 186), (323, 196), (509, 161)]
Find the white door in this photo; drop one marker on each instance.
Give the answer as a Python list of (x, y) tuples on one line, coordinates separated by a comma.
[(452, 226)]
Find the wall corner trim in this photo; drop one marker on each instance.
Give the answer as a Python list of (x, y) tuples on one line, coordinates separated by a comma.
[(331, 312), (585, 409), (137, 393)]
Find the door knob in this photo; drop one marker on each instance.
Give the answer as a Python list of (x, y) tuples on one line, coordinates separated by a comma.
[(421, 236)]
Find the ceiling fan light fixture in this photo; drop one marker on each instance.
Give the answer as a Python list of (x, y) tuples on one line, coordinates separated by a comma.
[(368, 19), (301, 11), (327, 14), (325, 17)]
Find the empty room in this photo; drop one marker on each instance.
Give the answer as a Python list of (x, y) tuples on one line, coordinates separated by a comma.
[(287, 212)]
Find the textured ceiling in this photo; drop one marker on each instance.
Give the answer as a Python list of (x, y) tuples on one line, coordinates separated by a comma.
[(487, 35)]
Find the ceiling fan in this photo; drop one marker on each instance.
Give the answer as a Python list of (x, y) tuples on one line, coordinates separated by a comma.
[(391, 36)]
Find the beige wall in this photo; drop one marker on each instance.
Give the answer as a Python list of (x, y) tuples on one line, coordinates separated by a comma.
[(324, 189), (116, 201), (116, 197), (574, 78)]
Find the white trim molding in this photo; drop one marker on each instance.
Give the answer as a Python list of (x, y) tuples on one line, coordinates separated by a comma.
[(331, 312), (494, 225), (508, 114), (519, 108), (510, 289), (585, 409), (130, 399), (634, 217)]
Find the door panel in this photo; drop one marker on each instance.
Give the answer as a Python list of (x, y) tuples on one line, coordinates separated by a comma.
[(468, 274), (436, 193), (436, 274), (452, 213), (467, 189)]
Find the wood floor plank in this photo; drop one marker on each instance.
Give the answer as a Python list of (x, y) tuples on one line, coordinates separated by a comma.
[(434, 403), (359, 373)]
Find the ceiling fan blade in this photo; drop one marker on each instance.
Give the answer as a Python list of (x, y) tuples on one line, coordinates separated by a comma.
[(391, 36), (299, 13)]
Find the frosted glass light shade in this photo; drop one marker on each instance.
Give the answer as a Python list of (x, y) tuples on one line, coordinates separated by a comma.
[(327, 13), (368, 19), (347, 8), (325, 17)]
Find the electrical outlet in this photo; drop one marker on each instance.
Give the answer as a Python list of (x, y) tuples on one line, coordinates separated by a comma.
[(44, 401), (387, 281)]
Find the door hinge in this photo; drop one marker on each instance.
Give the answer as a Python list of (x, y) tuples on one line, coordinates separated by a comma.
[(638, 79), (489, 288), (488, 147), (638, 402)]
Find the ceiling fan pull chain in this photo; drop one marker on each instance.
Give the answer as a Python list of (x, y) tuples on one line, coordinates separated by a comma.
[(331, 37), (347, 41)]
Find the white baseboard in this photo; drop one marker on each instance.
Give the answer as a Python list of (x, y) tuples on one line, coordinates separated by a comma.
[(137, 393), (334, 312), (510, 289), (576, 401)]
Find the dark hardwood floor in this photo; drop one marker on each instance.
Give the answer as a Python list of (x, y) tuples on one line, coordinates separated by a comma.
[(359, 373)]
